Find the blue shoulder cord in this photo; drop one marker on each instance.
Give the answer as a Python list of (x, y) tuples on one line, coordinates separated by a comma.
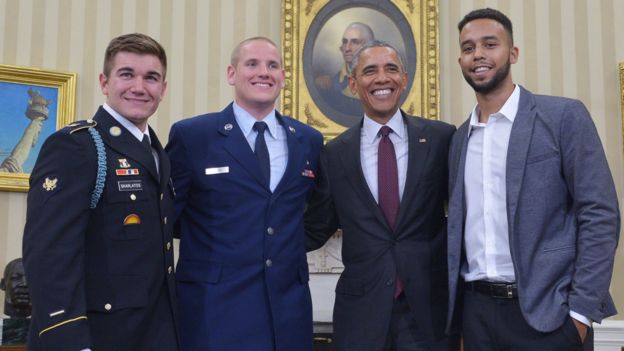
[(100, 179)]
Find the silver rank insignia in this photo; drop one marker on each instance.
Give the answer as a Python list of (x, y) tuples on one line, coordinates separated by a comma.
[(123, 163), (50, 184)]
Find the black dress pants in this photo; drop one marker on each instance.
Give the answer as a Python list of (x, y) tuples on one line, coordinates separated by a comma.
[(403, 334), (497, 324)]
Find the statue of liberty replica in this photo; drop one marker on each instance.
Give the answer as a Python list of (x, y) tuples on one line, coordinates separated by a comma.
[(37, 112)]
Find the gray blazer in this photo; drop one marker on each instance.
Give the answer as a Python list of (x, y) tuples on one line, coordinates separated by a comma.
[(562, 211)]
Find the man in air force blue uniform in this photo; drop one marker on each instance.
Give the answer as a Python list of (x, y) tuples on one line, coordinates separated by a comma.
[(242, 178)]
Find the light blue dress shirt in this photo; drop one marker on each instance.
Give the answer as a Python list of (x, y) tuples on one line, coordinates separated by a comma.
[(275, 137)]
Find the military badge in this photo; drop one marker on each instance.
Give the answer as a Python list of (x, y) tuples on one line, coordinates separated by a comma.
[(126, 172), (132, 219), (228, 126), (123, 163), (308, 173), (115, 131), (50, 184)]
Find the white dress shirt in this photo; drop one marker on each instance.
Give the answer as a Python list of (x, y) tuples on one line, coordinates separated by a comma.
[(133, 129), (486, 232), (369, 145), (275, 140)]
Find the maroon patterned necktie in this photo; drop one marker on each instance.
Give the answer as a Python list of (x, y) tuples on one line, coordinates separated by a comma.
[(387, 178), (388, 187)]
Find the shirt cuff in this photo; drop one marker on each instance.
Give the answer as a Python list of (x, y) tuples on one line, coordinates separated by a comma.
[(580, 318)]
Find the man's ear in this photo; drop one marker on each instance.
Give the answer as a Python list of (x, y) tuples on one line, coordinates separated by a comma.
[(230, 73), (353, 85), (2, 284), (513, 54)]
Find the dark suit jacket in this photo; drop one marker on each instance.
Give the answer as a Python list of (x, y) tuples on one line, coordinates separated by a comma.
[(94, 281), (562, 212), (371, 253), (242, 276), (342, 109)]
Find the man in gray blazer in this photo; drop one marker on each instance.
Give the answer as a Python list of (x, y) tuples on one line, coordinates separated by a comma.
[(533, 215)]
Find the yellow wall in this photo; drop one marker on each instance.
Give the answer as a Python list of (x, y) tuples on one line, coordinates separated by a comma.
[(567, 47)]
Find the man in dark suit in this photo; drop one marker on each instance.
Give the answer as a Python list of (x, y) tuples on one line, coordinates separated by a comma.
[(97, 241), (242, 178), (533, 213), (384, 183)]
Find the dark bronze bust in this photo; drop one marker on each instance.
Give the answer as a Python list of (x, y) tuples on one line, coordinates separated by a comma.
[(17, 298), (17, 304)]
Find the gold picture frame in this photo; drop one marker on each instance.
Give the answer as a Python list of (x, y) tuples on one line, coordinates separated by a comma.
[(621, 65), (306, 23), (29, 98)]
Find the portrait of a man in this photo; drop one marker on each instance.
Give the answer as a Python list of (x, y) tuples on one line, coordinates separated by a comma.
[(336, 33), (334, 88)]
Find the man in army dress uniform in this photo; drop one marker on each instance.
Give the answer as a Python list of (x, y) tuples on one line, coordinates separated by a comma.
[(98, 243)]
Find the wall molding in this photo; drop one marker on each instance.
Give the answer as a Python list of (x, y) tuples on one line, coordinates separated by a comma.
[(609, 336)]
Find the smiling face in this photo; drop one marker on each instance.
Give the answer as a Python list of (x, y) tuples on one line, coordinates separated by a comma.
[(135, 86), (486, 55), (257, 77), (379, 80)]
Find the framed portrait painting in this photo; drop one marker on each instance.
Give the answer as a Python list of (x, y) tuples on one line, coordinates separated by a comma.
[(33, 104), (320, 38), (622, 95)]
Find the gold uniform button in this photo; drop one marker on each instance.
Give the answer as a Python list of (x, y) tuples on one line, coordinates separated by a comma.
[(168, 245), (132, 197), (169, 270), (108, 307)]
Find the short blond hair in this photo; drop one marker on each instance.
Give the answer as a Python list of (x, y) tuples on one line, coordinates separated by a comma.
[(236, 52)]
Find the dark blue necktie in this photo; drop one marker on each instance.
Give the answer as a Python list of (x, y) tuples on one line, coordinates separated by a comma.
[(262, 152)]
